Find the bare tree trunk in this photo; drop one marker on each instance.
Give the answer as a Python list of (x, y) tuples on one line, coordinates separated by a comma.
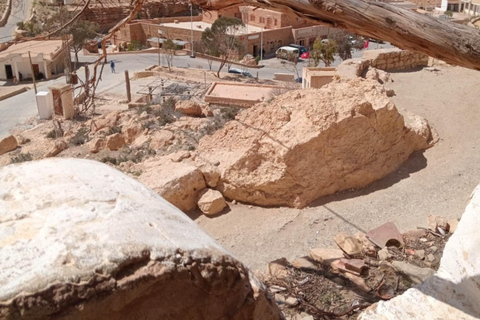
[(454, 43)]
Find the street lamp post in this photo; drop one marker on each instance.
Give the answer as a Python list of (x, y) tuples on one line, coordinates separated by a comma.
[(192, 55), (261, 46)]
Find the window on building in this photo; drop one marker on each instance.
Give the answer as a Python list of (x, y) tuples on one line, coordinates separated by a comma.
[(275, 22), (252, 17), (262, 20)]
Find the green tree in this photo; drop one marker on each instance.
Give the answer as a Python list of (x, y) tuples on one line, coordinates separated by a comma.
[(81, 31), (324, 51), (346, 42), (170, 48), (220, 40)]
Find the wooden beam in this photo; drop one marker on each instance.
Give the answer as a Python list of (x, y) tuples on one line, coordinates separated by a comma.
[(453, 43)]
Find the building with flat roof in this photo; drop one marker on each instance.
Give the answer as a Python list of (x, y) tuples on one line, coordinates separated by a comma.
[(47, 60), (317, 77)]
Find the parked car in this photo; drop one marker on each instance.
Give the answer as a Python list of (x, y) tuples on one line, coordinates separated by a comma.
[(238, 71), (299, 80), (300, 48), (287, 53)]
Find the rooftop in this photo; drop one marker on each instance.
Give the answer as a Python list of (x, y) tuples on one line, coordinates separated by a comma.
[(45, 47), (201, 26)]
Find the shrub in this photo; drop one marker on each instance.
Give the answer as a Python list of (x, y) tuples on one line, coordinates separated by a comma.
[(21, 157), (80, 137)]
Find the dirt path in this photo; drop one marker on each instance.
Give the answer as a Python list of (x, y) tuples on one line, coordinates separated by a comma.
[(438, 181)]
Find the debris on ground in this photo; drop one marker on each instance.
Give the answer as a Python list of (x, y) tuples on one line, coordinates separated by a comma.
[(334, 283)]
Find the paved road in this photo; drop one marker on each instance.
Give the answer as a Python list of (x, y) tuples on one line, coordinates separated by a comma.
[(20, 12), (21, 107)]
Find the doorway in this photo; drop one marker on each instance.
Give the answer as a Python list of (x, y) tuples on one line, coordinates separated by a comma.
[(36, 71), (9, 71), (255, 50)]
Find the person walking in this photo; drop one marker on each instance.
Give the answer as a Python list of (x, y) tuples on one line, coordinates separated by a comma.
[(112, 66)]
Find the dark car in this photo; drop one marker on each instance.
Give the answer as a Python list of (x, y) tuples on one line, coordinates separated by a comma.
[(301, 49), (238, 71)]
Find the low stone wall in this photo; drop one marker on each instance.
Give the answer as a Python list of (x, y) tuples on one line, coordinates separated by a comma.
[(395, 59)]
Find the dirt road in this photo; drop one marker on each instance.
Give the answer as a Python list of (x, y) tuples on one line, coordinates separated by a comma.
[(438, 181)]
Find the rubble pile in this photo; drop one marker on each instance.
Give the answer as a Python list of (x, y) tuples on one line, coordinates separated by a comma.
[(364, 269), (311, 143)]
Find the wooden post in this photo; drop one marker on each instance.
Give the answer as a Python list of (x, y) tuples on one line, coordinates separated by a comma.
[(87, 77), (33, 74), (127, 82)]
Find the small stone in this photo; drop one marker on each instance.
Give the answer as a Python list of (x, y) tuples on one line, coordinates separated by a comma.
[(423, 239), (211, 201), (431, 257), (416, 274), (275, 289), (453, 223), (279, 299), (347, 243), (216, 163), (97, 144), (420, 254), (384, 254), (179, 156), (432, 222), (304, 263), (326, 256), (250, 207), (442, 223), (8, 144), (291, 301), (234, 202), (278, 268), (433, 249), (115, 141), (56, 149)]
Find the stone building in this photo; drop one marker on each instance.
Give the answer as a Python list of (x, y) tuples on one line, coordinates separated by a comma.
[(47, 60), (274, 28)]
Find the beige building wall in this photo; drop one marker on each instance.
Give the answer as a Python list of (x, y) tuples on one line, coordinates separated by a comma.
[(317, 77)]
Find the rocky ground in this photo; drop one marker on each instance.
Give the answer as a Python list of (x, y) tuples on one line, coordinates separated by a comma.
[(437, 181), (167, 145)]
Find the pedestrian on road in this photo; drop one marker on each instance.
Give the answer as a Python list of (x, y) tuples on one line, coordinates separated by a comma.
[(112, 66)]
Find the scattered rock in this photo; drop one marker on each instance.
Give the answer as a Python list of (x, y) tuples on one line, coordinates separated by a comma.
[(58, 147), (339, 281), (367, 246), (433, 249), (304, 263), (349, 133), (8, 144), (189, 108), (431, 257), (234, 202), (442, 223), (97, 144), (326, 257), (115, 141), (384, 254), (378, 75), (178, 182), (140, 141), (416, 274), (432, 222), (452, 225), (278, 268), (179, 156), (420, 254), (22, 140), (348, 244), (358, 281), (161, 139), (106, 121), (291, 301), (132, 130), (211, 202), (275, 289), (412, 235)]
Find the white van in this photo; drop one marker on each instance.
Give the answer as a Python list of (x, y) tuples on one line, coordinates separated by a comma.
[(287, 53)]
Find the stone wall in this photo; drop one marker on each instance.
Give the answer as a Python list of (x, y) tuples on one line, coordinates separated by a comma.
[(395, 59), (93, 243)]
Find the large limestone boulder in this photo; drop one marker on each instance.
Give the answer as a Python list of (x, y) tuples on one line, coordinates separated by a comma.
[(189, 108), (177, 182), (80, 240), (453, 292), (311, 143)]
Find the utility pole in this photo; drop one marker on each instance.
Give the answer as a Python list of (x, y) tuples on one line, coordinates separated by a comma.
[(33, 74), (192, 55)]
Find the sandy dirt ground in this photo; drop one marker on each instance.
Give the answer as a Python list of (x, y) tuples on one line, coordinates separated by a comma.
[(438, 181)]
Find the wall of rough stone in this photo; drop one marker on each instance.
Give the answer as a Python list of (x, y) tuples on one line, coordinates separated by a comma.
[(395, 59)]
